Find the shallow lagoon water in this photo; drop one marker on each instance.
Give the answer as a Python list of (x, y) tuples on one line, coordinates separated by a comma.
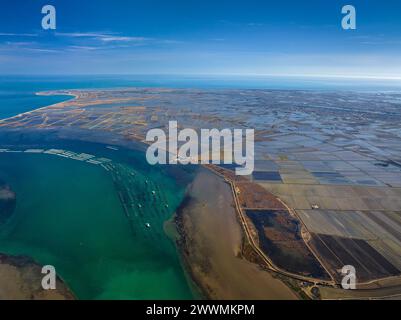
[(69, 215)]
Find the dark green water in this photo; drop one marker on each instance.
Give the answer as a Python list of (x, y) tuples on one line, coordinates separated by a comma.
[(69, 215)]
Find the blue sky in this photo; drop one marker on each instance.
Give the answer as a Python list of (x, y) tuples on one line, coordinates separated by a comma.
[(202, 37)]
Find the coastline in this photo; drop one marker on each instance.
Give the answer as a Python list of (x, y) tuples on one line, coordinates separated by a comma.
[(212, 285), (211, 245), (259, 208), (174, 234), (160, 259), (69, 94), (20, 276), (264, 284)]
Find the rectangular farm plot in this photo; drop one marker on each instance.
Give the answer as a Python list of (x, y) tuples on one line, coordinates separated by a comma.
[(266, 176), (339, 251)]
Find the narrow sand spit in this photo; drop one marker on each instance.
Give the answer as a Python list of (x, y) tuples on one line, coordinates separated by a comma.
[(211, 244)]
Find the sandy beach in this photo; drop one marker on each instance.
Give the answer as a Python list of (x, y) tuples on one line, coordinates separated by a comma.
[(211, 240)]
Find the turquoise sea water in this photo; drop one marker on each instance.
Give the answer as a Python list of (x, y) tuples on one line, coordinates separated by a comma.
[(69, 215)]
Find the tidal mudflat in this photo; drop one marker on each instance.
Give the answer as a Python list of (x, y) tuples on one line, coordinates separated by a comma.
[(211, 244), (69, 214)]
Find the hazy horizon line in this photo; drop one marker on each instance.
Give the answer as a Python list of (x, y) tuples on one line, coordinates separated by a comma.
[(238, 75)]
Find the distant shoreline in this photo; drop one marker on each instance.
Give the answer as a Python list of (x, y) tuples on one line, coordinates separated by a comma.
[(66, 97)]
